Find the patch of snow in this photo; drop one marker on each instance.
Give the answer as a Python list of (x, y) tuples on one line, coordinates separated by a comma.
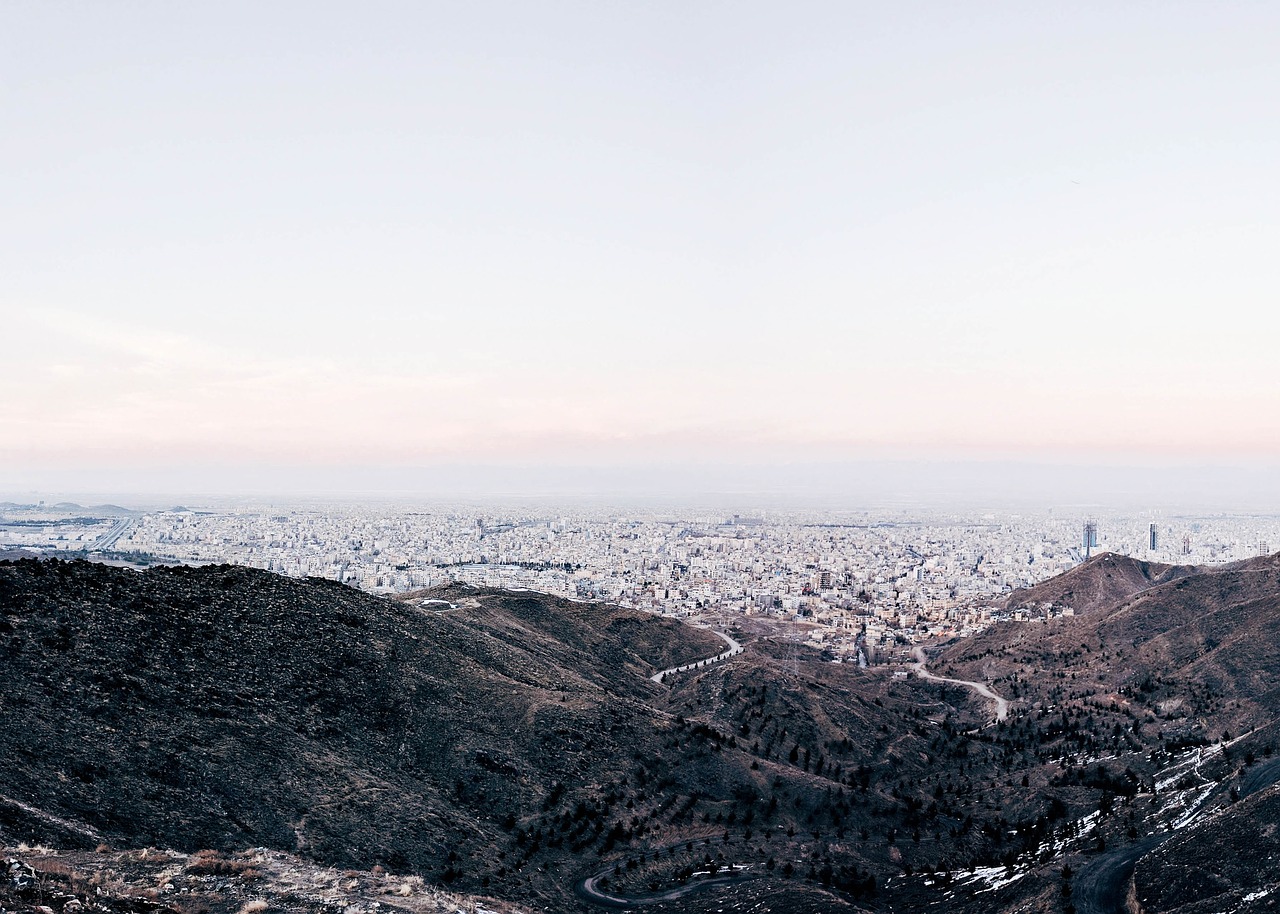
[(1193, 808), (994, 877)]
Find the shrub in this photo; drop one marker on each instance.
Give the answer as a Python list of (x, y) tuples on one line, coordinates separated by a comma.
[(212, 863)]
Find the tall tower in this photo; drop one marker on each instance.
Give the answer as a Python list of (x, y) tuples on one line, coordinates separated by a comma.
[(1155, 538), (1090, 537)]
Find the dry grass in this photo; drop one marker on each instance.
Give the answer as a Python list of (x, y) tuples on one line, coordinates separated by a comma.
[(213, 863)]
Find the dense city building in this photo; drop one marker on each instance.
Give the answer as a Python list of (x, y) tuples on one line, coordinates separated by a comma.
[(858, 585)]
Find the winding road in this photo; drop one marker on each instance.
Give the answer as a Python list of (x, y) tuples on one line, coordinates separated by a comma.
[(1103, 883), (1002, 704), (587, 890), (734, 648)]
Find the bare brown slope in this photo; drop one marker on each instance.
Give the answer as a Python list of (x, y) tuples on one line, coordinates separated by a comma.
[(1100, 583), (1194, 656)]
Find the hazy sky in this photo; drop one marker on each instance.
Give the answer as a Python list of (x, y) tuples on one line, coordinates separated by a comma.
[(402, 234)]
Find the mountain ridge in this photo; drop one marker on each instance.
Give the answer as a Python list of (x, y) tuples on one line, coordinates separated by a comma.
[(511, 743)]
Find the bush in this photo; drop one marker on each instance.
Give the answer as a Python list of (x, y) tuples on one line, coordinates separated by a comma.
[(212, 863)]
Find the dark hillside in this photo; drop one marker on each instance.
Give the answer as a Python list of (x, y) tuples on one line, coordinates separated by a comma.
[(492, 742), (511, 744), (621, 646), (226, 707), (1232, 863)]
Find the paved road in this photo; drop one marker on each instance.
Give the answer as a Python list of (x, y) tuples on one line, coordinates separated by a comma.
[(587, 890), (734, 648), (1259, 777), (112, 536), (1002, 704), (1102, 884)]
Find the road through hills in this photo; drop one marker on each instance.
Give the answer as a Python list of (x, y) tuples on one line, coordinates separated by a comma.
[(1002, 704), (1103, 884), (589, 890), (734, 648)]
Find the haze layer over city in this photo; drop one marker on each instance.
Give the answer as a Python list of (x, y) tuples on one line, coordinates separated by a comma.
[(639, 249)]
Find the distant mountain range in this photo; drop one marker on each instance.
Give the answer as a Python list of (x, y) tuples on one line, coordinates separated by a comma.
[(512, 745), (70, 507)]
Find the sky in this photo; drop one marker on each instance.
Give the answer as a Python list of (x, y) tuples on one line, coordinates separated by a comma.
[(321, 245)]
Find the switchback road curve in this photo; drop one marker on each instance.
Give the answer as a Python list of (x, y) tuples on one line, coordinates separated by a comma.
[(1102, 884), (734, 648), (1002, 704)]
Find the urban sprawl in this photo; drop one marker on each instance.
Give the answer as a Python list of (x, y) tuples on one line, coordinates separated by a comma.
[(857, 586)]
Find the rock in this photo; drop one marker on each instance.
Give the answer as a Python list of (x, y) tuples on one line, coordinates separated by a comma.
[(21, 877)]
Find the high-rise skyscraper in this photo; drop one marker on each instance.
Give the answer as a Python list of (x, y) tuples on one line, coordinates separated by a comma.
[(1155, 538), (1090, 537)]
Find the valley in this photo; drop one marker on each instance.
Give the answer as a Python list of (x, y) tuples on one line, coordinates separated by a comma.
[(566, 756)]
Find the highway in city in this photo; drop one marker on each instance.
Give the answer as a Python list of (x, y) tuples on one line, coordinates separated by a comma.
[(109, 539)]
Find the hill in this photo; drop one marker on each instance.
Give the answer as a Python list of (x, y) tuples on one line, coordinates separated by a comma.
[(1101, 582), (490, 742), (1167, 681), (223, 707), (1194, 652), (512, 745)]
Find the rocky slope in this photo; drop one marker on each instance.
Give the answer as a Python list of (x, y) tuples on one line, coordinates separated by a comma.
[(511, 744), (39, 880), (222, 707)]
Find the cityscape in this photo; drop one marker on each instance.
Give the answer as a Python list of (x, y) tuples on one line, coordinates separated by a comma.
[(861, 586), (690, 458)]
